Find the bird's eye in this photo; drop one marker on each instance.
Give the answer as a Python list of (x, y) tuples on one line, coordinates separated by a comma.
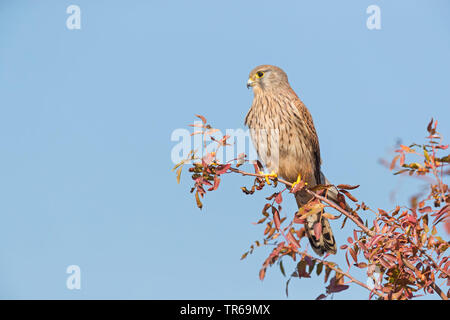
[(260, 74)]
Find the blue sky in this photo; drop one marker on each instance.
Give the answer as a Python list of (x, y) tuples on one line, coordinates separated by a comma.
[(86, 118)]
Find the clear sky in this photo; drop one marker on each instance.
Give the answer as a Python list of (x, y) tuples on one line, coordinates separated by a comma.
[(86, 118)]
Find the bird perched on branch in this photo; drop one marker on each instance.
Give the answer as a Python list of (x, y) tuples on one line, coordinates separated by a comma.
[(284, 136)]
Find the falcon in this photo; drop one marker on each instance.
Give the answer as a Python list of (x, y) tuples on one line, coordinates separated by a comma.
[(285, 139)]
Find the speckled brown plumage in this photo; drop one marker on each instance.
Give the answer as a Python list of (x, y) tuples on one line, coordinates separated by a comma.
[(284, 136)]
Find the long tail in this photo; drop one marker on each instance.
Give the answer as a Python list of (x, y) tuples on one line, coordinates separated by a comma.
[(325, 243)]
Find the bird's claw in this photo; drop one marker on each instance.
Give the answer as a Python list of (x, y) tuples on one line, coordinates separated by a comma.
[(269, 175), (299, 179)]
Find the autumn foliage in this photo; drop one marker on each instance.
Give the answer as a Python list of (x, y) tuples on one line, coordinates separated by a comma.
[(401, 245)]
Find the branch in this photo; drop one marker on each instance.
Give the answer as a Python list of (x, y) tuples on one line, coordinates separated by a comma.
[(329, 202), (371, 233), (382, 246), (433, 284), (338, 270), (324, 199)]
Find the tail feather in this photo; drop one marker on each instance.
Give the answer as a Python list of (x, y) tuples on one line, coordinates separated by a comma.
[(325, 243)]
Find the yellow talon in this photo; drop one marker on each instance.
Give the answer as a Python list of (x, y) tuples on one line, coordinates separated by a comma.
[(299, 178), (267, 175)]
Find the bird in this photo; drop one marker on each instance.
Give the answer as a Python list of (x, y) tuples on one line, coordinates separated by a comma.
[(285, 139)]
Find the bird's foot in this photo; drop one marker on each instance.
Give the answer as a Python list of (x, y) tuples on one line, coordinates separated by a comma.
[(299, 179), (269, 175)]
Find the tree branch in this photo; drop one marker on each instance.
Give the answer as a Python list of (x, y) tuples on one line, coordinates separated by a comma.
[(435, 287)]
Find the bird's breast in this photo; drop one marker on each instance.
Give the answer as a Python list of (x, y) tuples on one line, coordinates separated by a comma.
[(278, 135)]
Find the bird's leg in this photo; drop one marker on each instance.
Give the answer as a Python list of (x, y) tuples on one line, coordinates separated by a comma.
[(269, 175)]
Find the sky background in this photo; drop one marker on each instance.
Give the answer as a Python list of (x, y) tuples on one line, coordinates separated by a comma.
[(86, 118)]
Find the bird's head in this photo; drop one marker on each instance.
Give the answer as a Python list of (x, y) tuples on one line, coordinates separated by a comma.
[(267, 77)]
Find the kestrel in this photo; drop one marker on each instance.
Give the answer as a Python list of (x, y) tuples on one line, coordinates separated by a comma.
[(284, 136)]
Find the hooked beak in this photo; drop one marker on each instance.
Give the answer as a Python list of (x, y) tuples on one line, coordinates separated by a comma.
[(250, 83)]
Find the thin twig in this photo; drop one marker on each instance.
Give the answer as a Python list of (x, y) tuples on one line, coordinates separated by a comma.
[(371, 233)]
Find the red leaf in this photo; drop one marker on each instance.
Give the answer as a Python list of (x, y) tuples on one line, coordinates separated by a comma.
[(264, 210), (426, 209), (292, 240), (390, 257), (377, 227), (430, 126), (334, 287), (384, 263), (223, 168), (298, 220), (349, 195), (374, 240), (273, 195), (197, 199), (276, 218), (339, 288), (279, 198), (347, 187), (202, 118), (216, 184), (443, 210), (207, 159), (402, 159), (262, 274), (301, 233), (301, 269), (197, 125), (361, 265), (405, 148), (392, 166), (346, 259), (354, 256), (317, 230), (411, 219)]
